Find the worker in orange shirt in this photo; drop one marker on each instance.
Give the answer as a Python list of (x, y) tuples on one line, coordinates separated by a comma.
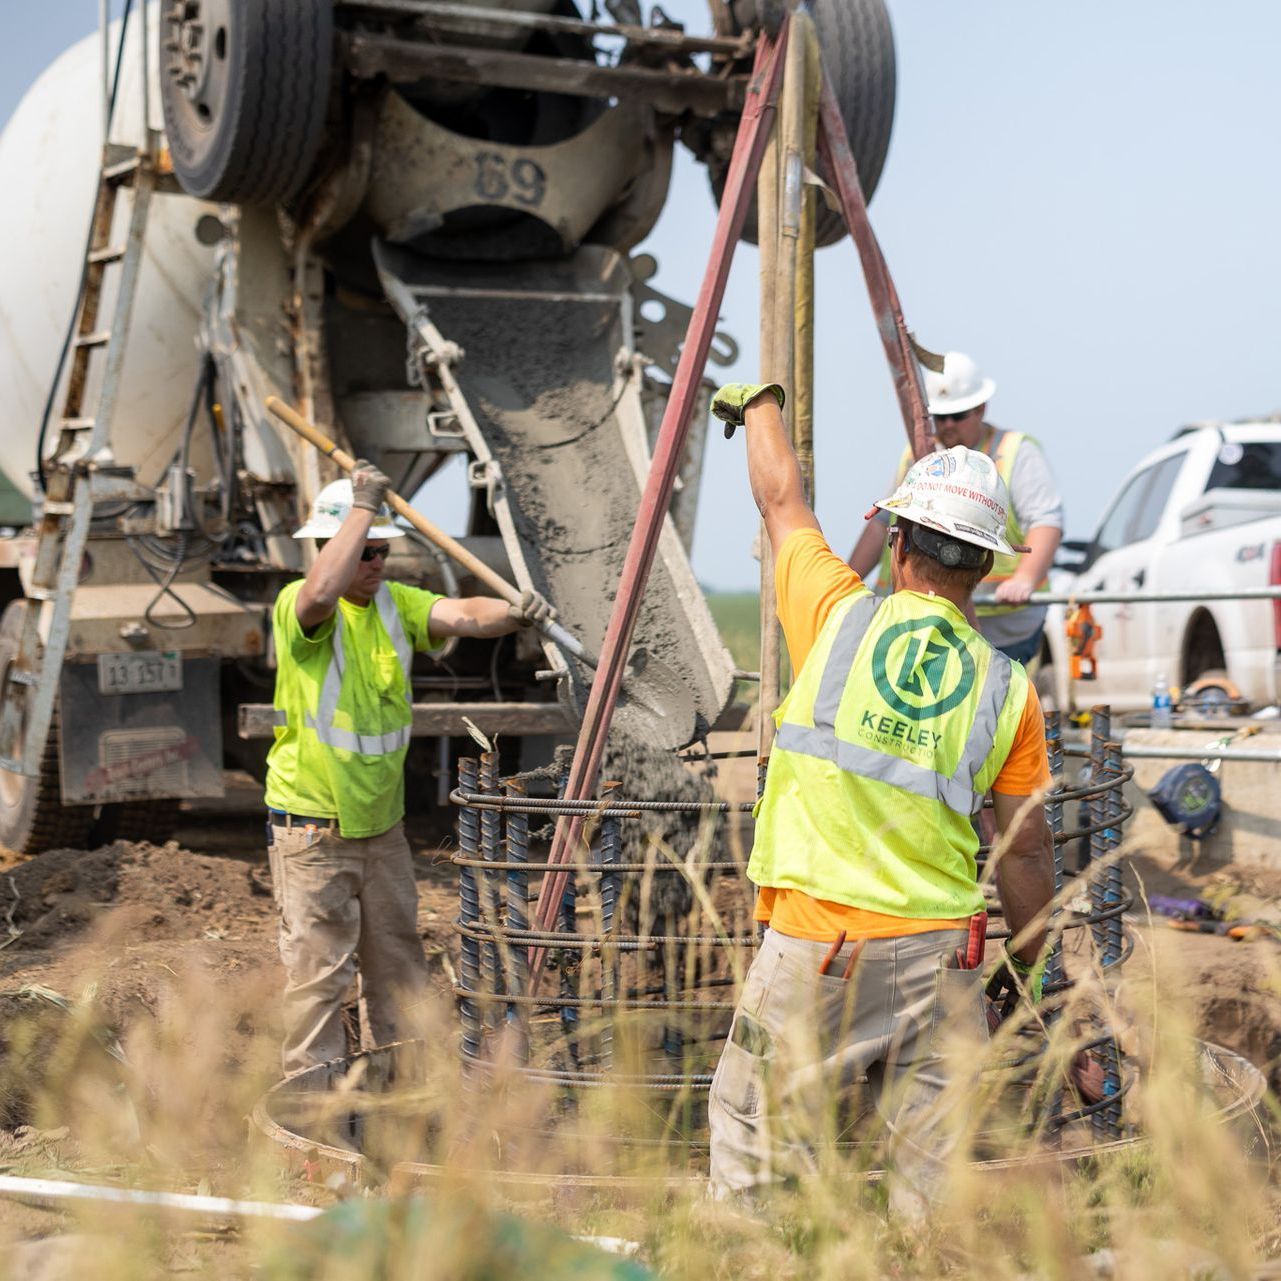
[(900, 719)]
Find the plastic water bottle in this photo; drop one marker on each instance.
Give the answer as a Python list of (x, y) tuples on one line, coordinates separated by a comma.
[(1162, 703)]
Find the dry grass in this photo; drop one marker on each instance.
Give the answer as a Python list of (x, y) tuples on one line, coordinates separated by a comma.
[(1196, 1198)]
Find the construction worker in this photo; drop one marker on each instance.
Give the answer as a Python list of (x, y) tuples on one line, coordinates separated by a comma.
[(958, 399), (340, 864), (901, 717)]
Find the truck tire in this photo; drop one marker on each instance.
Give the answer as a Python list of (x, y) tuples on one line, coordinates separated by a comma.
[(244, 85), (857, 44), (32, 816), (154, 821)]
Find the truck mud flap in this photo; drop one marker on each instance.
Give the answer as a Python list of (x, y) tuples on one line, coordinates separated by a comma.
[(553, 415), (137, 745)]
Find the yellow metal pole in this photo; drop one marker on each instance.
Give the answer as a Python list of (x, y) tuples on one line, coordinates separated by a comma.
[(778, 204), (805, 37), (767, 240)]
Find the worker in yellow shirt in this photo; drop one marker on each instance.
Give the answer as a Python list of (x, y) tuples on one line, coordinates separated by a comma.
[(900, 719), (340, 864)]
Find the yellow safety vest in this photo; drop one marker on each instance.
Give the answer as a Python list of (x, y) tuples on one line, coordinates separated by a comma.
[(1003, 566), (899, 721), (344, 708)]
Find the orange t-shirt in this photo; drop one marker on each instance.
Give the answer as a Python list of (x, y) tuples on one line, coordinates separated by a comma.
[(810, 579)]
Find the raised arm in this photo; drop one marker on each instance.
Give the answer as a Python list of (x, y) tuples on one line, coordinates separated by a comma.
[(772, 468), (334, 569)]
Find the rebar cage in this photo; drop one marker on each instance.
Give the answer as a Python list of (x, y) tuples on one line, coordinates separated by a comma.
[(654, 931)]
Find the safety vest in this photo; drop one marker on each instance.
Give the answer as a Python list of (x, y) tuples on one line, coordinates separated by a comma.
[(1003, 566), (899, 721), (344, 710)]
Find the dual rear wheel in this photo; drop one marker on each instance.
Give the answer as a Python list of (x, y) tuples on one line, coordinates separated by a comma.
[(32, 816)]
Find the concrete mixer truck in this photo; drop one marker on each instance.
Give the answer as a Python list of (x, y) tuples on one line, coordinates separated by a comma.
[(414, 219)]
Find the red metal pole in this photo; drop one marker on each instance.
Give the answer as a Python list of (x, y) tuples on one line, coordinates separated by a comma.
[(749, 147), (834, 146)]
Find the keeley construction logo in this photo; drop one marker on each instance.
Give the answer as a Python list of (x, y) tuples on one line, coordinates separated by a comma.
[(922, 670)]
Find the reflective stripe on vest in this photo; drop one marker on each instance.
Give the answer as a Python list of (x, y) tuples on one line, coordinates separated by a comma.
[(958, 791), (327, 705)]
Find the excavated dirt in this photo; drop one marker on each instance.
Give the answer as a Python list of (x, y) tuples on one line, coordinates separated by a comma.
[(1232, 990), (125, 928)]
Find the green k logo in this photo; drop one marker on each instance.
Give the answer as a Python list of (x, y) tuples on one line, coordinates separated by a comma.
[(933, 671)]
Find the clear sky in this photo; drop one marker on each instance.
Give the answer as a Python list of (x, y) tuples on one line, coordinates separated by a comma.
[(1084, 197)]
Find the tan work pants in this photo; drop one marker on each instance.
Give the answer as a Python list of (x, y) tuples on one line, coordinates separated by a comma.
[(801, 1039), (346, 906)]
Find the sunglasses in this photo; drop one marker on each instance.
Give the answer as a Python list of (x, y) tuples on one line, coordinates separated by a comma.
[(953, 418), (376, 553)]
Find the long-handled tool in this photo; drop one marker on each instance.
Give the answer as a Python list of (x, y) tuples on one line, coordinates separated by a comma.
[(450, 546)]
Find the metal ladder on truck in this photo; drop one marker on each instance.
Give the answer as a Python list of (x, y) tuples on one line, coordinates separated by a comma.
[(80, 472)]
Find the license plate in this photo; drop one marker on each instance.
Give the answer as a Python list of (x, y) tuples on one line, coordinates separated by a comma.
[(145, 673)]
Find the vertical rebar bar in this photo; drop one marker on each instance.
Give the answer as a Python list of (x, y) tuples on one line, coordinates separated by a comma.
[(610, 854), (568, 922), (1054, 815), (491, 827), (1104, 1122), (1097, 814), (564, 920), (517, 956), (1113, 891), (468, 915)]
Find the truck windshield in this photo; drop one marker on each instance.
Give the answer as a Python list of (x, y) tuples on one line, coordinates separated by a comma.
[(1254, 464), (1137, 510)]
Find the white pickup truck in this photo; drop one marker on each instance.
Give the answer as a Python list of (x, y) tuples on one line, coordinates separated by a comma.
[(1202, 513)]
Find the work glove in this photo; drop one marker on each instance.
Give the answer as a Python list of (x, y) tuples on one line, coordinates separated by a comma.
[(729, 403), (1011, 981), (532, 610), (368, 486)]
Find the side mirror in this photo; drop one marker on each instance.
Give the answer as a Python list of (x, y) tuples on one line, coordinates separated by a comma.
[(1076, 555)]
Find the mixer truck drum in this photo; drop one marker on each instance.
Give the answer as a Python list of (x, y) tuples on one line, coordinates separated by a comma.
[(244, 85), (857, 44)]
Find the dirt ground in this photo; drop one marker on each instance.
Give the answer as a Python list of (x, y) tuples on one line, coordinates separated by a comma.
[(135, 920), (132, 917)]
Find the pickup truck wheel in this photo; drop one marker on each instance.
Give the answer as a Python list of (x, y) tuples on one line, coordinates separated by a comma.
[(32, 816), (244, 85), (1213, 693), (857, 45)]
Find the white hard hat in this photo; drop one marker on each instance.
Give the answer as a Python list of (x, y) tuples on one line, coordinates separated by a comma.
[(959, 387), (333, 506), (957, 492)]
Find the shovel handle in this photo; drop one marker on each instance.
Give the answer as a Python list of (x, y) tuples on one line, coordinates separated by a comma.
[(450, 546)]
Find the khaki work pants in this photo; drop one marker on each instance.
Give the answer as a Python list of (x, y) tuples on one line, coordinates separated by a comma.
[(347, 907), (802, 1041)]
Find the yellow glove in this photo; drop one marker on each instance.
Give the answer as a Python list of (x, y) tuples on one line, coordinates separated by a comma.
[(733, 399)]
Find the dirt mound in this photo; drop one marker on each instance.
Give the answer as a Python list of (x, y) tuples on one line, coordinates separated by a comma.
[(57, 895)]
